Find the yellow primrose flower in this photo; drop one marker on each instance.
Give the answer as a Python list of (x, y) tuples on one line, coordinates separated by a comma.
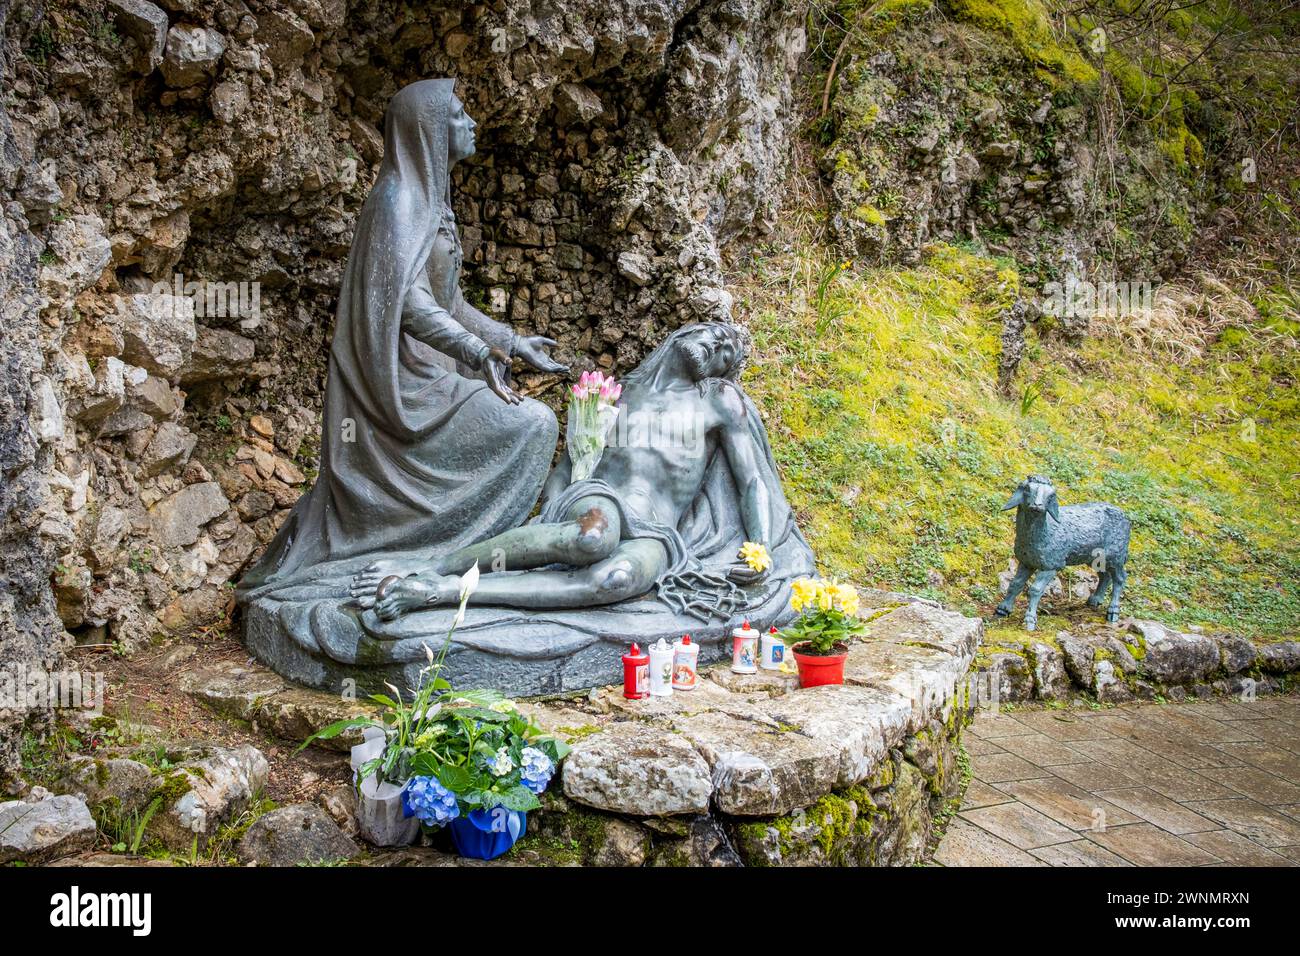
[(803, 591), (826, 596), (756, 556), (846, 596)]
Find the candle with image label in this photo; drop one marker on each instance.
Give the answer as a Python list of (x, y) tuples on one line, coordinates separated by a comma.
[(773, 651), (661, 669), (685, 658), (744, 650)]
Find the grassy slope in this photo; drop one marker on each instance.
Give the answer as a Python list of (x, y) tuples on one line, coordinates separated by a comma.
[(897, 451)]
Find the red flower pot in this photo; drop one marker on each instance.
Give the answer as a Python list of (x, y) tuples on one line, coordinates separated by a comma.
[(818, 669)]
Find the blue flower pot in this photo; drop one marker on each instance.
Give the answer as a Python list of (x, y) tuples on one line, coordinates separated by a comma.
[(486, 834)]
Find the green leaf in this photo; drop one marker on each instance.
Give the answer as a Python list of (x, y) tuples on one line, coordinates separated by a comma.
[(456, 779), (519, 798), (336, 728)]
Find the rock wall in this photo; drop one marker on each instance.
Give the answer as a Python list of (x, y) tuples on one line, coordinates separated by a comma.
[(30, 633), (180, 182)]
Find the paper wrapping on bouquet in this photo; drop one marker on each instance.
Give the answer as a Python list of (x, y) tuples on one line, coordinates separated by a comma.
[(379, 804), (584, 437)]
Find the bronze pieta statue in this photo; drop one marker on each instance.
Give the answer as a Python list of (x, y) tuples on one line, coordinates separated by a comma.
[(430, 463)]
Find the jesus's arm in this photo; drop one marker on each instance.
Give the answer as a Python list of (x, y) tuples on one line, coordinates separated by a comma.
[(738, 446)]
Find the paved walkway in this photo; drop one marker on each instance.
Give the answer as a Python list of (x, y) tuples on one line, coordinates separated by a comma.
[(1192, 784)]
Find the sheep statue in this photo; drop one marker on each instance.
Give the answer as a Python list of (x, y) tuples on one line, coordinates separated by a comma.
[(1049, 537)]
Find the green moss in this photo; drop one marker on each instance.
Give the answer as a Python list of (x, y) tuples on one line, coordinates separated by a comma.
[(897, 451), (577, 733), (172, 787), (1025, 23)]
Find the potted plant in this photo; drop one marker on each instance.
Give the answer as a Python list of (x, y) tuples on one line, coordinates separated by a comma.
[(828, 618), (466, 760)]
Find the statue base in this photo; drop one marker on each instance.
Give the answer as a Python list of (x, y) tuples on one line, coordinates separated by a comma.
[(520, 653)]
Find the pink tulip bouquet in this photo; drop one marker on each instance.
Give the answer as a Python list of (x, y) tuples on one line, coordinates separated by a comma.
[(592, 411)]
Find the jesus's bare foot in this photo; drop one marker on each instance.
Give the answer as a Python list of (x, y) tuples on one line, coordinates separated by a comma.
[(364, 582), (397, 595)]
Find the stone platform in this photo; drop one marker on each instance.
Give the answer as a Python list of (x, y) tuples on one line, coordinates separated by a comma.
[(745, 769)]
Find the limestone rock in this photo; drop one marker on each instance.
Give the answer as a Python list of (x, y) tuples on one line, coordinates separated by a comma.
[(835, 831), (576, 104), (861, 723), (191, 55), (1108, 685), (1011, 675), (171, 444), (1050, 680), (704, 844), (1078, 655), (286, 35), (177, 519), (1174, 658), (117, 782), (300, 833), (638, 770), (928, 625), (758, 770), (203, 794), (926, 677), (146, 24), (158, 331), (1236, 654), (634, 267), (1281, 657), (218, 354), (297, 713), (51, 827), (622, 843), (78, 252), (231, 689)]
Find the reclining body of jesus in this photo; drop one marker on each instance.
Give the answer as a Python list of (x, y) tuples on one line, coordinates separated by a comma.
[(616, 536)]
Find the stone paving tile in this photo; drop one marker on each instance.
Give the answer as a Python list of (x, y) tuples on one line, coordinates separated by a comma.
[(1094, 776), (1223, 710), (1265, 756), (1292, 853), (1184, 785), (1278, 733), (1019, 825), (1254, 783), (1192, 784), (1242, 710), (1120, 752), (1041, 750), (980, 794), (1235, 850), (991, 727), (997, 768), (965, 844), (1252, 820), (1068, 804), (1078, 853), (1145, 845), (1188, 753), (978, 745), (1115, 724), (1205, 729), (1158, 809), (1065, 725)]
